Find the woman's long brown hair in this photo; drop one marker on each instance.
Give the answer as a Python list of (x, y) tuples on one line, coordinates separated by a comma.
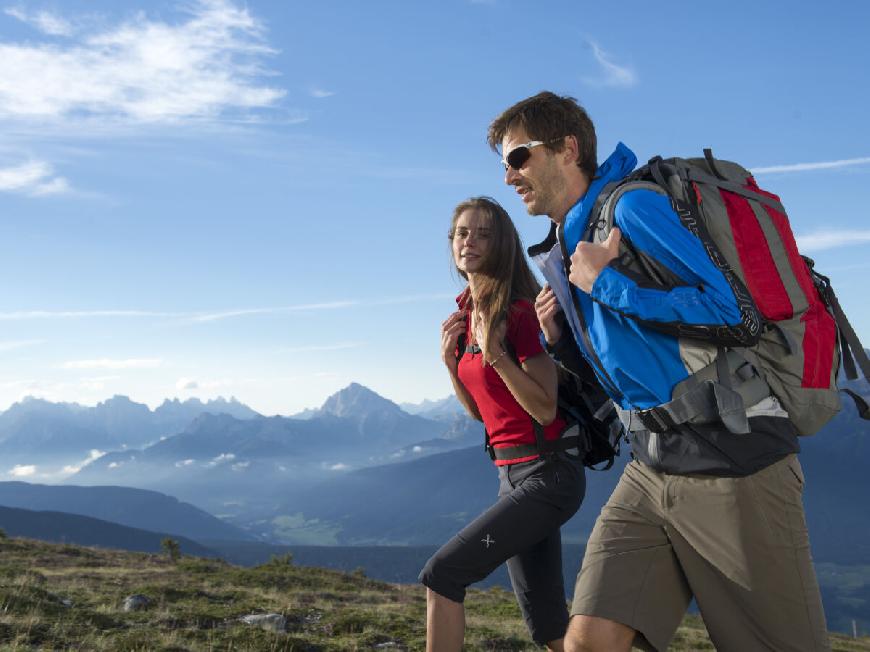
[(505, 275)]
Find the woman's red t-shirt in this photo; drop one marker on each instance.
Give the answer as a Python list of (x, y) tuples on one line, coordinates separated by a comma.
[(507, 423)]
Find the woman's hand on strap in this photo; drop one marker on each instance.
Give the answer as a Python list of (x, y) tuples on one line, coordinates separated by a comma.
[(451, 329), (547, 309)]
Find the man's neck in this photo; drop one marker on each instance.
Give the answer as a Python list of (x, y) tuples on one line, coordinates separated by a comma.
[(571, 198)]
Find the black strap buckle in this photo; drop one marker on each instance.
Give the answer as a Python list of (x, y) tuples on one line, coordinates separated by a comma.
[(655, 420)]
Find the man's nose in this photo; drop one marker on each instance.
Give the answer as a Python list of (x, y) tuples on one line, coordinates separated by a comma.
[(511, 176)]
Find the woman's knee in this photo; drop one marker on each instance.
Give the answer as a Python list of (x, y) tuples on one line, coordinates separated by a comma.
[(436, 577)]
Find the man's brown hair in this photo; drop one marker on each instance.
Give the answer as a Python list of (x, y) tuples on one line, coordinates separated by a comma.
[(549, 117)]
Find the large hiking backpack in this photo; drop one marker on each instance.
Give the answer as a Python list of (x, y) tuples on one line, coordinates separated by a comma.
[(745, 231)]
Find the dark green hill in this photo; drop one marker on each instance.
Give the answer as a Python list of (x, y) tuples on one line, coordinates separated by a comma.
[(138, 508), (83, 530)]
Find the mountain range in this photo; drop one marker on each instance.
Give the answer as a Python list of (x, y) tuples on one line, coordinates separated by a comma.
[(37, 432), (244, 468), (362, 470)]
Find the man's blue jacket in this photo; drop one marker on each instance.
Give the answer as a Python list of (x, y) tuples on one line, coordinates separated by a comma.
[(636, 363)]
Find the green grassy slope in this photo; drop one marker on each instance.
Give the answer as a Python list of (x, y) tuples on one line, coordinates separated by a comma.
[(63, 597)]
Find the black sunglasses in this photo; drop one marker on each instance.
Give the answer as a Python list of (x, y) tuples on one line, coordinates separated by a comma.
[(517, 157)]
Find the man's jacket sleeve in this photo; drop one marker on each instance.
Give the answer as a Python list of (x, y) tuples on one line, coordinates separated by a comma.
[(667, 281)]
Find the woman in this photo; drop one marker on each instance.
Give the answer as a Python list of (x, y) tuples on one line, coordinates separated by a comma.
[(503, 377)]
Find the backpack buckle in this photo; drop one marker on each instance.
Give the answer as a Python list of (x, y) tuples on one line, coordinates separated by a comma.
[(655, 420)]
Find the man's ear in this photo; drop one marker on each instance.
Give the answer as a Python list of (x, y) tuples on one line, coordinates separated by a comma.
[(571, 150)]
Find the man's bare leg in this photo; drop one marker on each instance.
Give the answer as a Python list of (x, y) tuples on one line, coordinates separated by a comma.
[(593, 634), (556, 645), (445, 623)]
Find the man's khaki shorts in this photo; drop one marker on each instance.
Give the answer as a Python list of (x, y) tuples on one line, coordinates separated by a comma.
[(738, 545)]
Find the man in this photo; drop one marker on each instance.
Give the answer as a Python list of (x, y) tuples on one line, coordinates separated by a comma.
[(699, 511)]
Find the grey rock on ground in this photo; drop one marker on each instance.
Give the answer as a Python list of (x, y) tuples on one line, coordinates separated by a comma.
[(136, 602), (274, 622)]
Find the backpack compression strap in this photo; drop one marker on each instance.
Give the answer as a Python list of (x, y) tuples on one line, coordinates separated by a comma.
[(721, 391), (850, 345)]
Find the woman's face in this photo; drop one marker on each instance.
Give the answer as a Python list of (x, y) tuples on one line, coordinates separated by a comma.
[(471, 240)]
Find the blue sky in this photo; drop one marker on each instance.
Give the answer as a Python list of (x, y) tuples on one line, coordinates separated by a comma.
[(207, 198)]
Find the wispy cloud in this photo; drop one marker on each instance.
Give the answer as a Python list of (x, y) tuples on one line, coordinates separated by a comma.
[(44, 21), (320, 93), (209, 316), (75, 468), (12, 345), (831, 239), (223, 458), (143, 70), (35, 178), (214, 316), (612, 74), (107, 363), (22, 470), (805, 167)]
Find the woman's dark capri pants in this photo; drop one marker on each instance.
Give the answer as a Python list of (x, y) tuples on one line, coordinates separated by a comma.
[(522, 528)]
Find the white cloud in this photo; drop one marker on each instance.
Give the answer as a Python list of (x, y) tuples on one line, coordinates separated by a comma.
[(115, 465), (75, 468), (22, 470), (202, 317), (34, 178), (143, 70), (804, 167), (106, 363), (11, 345), (613, 74), (241, 466), (339, 467), (831, 240), (184, 463), (186, 384), (320, 93), (221, 459), (44, 21), (271, 311)]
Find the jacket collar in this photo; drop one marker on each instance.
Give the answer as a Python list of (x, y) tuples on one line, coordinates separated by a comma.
[(618, 165)]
